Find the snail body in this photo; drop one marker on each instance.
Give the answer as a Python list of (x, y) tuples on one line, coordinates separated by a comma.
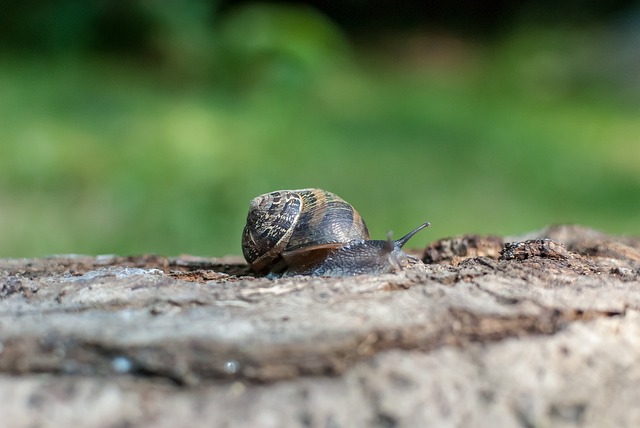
[(315, 232)]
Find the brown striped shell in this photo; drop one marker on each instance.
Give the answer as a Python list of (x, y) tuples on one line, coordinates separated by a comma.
[(298, 227)]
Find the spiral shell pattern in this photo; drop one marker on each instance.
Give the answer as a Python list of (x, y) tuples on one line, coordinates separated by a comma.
[(290, 221)]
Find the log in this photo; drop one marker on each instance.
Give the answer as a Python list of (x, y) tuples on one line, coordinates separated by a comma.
[(536, 330)]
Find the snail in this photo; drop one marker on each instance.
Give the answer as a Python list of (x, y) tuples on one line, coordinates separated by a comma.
[(314, 232)]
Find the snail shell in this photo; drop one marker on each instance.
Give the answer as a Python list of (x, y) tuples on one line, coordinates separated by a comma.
[(295, 223), (314, 232)]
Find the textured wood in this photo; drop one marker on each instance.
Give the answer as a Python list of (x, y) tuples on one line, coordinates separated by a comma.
[(538, 330)]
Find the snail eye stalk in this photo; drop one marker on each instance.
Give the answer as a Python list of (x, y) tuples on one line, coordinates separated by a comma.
[(400, 242)]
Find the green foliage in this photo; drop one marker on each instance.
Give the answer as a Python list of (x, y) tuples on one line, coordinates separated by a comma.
[(102, 157), (260, 43)]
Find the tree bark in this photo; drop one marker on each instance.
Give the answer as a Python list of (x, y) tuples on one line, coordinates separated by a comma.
[(537, 330)]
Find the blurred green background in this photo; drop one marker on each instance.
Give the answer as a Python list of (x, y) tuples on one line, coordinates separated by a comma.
[(146, 127)]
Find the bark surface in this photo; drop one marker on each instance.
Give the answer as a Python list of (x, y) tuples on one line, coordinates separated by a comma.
[(529, 331)]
